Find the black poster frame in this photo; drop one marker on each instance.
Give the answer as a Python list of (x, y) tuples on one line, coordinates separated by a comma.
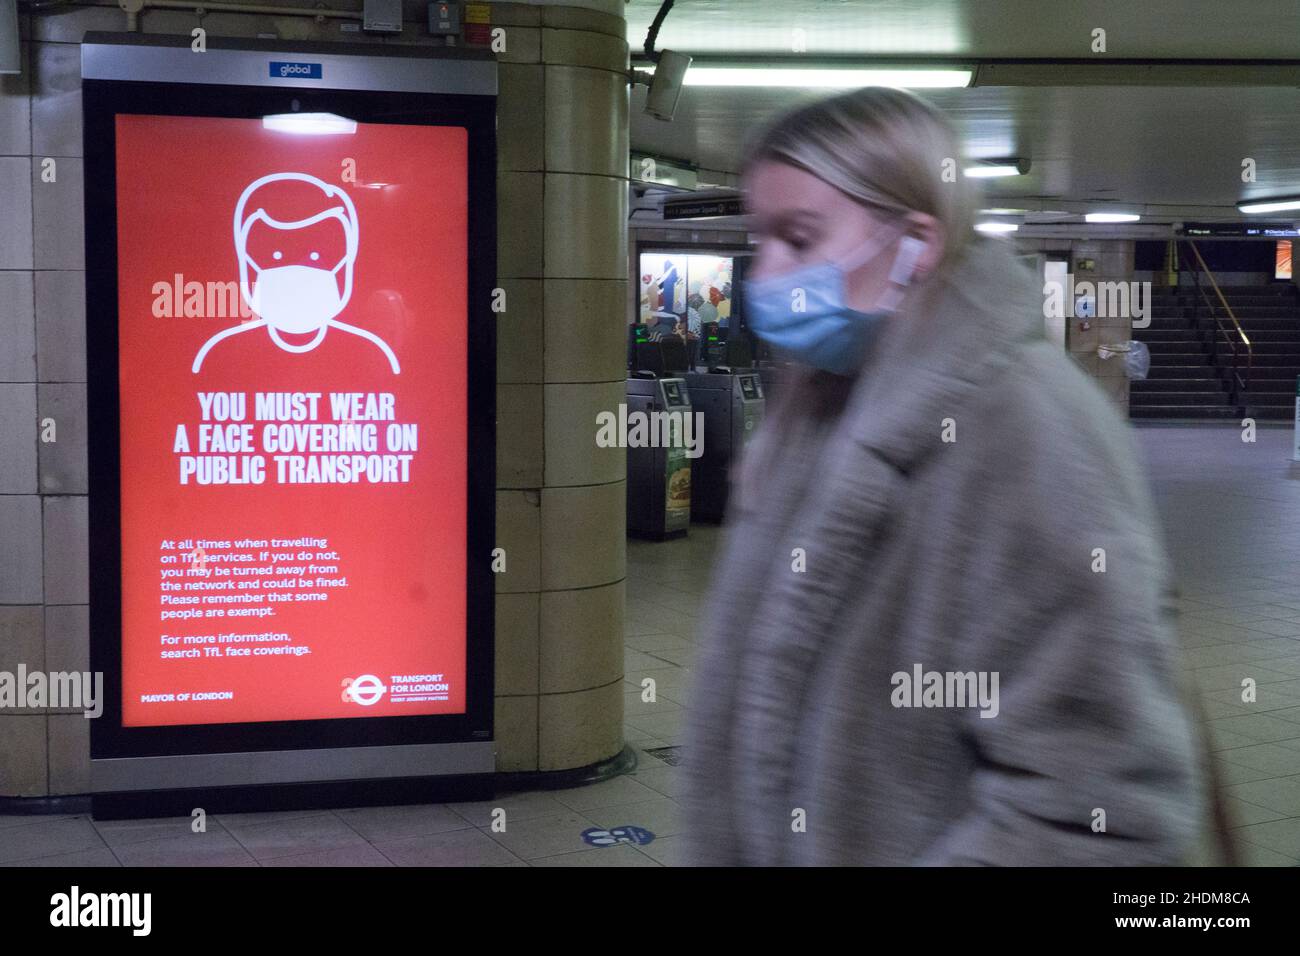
[(103, 100)]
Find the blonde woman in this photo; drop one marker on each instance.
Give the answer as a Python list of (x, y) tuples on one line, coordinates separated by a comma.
[(937, 634)]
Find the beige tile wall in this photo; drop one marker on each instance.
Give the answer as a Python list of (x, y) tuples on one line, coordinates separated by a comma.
[(1113, 260), (1114, 263), (562, 250)]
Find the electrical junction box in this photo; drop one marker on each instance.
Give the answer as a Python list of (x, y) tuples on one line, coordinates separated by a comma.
[(444, 18), (382, 16)]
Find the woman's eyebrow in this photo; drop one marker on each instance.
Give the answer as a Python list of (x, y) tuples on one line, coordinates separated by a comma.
[(789, 218)]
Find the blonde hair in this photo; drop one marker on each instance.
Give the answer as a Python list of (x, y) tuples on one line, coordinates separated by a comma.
[(884, 148)]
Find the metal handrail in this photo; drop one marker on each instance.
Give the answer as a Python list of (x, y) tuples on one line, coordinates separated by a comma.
[(1242, 383)]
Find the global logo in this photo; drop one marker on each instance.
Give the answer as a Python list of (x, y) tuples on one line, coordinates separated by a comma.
[(282, 69), (364, 690)]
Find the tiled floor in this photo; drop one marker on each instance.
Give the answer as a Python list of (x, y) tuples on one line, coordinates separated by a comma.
[(1231, 512), (1232, 517)]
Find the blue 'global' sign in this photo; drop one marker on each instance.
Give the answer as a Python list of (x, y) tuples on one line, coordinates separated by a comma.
[(296, 71)]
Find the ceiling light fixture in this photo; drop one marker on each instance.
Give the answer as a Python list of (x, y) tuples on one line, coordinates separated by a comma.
[(996, 168), (847, 78), (309, 124), (1252, 206), (1111, 217)]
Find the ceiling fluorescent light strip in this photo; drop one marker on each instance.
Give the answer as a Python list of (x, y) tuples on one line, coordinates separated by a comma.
[(1276, 204), (1111, 217), (915, 78)]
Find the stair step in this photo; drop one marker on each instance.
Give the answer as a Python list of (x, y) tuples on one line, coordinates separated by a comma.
[(1160, 385), (1181, 373), (1174, 351), (1234, 301), (1282, 289), (1188, 347), (1256, 336), (1183, 411), (1179, 398)]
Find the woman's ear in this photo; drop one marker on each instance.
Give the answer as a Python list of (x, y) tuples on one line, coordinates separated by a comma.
[(930, 231)]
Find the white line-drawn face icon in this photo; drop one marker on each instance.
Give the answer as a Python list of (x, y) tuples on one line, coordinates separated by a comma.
[(296, 299)]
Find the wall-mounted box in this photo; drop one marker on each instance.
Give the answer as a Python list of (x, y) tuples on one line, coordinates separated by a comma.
[(382, 16), (444, 18)]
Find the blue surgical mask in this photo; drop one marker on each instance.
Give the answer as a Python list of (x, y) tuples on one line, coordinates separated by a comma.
[(804, 312)]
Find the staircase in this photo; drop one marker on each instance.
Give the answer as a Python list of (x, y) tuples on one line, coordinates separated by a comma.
[(1186, 380)]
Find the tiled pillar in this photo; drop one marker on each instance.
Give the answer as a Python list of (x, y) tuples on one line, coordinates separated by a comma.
[(43, 572), (1113, 260), (562, 131), (562, 259)]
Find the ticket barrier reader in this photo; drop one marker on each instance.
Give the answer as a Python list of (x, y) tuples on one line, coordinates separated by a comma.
[(637, 337), (658, 469), (733, 404), (713, 344), (676, 355), (662, 356)]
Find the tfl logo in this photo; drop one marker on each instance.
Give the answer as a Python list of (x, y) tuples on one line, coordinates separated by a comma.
[(364, 690), (301, 71)]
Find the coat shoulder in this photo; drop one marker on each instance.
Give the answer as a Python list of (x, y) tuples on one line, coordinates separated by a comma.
[(1045, 396), (1047, 449)]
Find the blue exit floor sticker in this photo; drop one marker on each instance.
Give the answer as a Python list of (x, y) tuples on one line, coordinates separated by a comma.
[(616, 835)]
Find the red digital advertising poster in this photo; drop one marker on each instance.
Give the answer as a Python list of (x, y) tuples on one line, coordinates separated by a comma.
[(292, 340)]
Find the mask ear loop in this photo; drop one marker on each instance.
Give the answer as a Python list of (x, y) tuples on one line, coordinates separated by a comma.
[(869, 249)]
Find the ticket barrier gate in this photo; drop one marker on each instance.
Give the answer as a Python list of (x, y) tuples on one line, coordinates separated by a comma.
[(658, 469), (733, 404), (776, 379)]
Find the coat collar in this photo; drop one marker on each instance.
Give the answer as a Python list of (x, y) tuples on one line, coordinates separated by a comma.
[(957, 334)]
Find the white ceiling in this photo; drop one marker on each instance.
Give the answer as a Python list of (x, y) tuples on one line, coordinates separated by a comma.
[(1177, 151), (985, 28)]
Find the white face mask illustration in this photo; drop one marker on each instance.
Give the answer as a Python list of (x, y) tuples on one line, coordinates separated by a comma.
[(297, 299)]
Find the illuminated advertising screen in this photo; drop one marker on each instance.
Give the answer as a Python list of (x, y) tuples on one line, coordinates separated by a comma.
[(292, 404), (293, 434)]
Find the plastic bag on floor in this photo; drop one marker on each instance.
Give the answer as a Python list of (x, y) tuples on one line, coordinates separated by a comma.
[(1137, 358), (1137, 363)]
